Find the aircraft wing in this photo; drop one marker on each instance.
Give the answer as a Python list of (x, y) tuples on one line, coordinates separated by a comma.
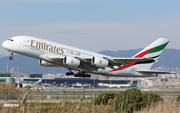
[(87, 61), (154, 72)]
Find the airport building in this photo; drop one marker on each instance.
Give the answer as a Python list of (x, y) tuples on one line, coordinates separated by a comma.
[(142, 84), (5, 77), (35, 75), (71, 81)]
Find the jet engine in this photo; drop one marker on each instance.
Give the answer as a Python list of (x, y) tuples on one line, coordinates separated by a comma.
[(46, 64), (70, 61), (99, 62)]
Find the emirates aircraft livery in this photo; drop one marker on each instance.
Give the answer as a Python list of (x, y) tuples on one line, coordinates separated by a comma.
[(52, 54)]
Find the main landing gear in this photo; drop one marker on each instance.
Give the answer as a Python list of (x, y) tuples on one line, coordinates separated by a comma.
[(70, 73), (78, 74), (82, 75), (11, 57)]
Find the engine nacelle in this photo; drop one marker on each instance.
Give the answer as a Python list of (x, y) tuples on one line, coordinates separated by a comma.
[(70, 61), (100, 62), (46, 64)]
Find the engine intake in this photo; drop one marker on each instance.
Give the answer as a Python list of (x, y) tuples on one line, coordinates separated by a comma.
[(100, 62), (70, 61)]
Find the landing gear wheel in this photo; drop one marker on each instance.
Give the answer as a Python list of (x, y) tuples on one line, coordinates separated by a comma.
[(69, 73), (72, 73), (11, 58), (88, 76), (83, 75), (76, 75)]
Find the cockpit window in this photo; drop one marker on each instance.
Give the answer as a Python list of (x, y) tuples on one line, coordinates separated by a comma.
[(11, 40)]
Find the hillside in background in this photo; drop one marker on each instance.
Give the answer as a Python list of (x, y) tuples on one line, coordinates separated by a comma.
[(169, 58)]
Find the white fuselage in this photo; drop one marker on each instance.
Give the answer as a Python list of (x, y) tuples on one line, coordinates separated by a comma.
[(40, 48)]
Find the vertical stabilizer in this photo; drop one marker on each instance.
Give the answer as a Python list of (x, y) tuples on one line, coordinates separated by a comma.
[(152, 51)]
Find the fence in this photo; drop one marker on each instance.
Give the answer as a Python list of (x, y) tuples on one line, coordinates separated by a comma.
[(70, 95), (65, 94), (50, 95)]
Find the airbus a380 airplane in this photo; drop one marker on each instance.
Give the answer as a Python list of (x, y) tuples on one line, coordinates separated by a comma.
[(51, 54)]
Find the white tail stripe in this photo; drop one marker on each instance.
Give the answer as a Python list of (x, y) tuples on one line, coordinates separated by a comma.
[(153, 54)]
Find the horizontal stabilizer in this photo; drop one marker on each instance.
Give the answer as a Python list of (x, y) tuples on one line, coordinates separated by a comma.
[(119, 60), (124, 61), (154, 72)]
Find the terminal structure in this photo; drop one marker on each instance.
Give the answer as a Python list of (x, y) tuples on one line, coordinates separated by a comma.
[(5, 77)]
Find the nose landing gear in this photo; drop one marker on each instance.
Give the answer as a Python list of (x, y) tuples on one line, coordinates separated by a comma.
[(11, 57)]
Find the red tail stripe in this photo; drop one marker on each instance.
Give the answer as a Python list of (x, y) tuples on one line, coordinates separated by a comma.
[(140, 55)]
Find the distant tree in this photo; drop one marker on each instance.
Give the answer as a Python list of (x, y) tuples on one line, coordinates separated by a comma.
[(128, 101), (178, 99)]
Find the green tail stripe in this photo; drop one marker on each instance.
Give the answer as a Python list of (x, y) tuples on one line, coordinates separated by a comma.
[(158, 48)]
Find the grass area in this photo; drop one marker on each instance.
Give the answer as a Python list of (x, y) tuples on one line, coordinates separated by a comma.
[(168, 106), (81, 106)]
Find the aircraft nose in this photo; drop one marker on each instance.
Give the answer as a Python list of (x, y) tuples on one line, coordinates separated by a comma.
[(4, 44)]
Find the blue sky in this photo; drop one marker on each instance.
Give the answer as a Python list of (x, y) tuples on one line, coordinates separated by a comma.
[(39, 13), (94, 25)]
